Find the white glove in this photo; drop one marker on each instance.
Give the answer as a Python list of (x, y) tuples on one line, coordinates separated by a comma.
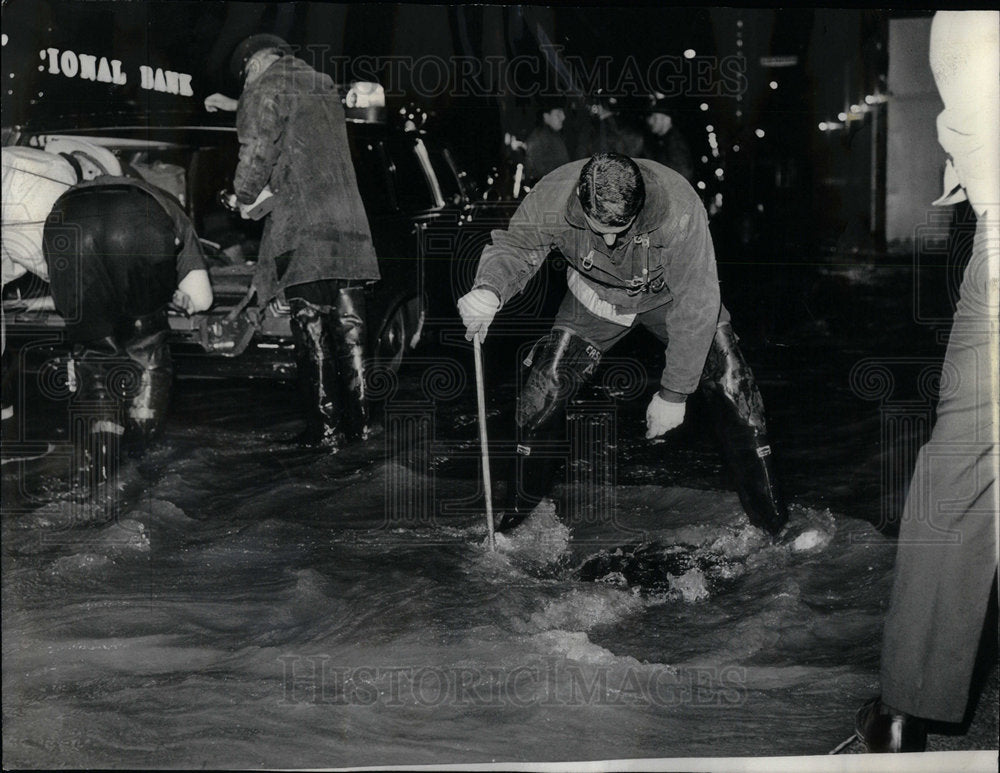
[(251, 211), (218, 101), (662, 416), (478, 307)]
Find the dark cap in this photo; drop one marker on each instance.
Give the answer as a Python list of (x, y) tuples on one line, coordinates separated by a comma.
[(253, 44), (605, 99), (659, 103)]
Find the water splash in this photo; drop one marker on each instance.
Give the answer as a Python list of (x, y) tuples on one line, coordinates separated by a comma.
[(542, 540)]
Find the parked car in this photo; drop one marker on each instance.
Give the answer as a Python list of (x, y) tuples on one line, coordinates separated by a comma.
[(428, 222)]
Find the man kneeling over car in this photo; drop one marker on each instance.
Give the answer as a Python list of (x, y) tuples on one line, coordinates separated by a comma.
[(118, 252)]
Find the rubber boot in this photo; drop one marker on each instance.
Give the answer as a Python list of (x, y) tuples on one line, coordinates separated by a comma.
[(347, 331), (738, 416), (559, 363), (317, 377), (147, 405), (96, 410)]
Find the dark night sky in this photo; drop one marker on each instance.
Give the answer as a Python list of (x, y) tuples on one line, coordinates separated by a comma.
[(840, 57), (197, 37)]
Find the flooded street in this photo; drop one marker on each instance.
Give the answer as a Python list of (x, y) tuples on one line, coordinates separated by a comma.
[(247, 603)]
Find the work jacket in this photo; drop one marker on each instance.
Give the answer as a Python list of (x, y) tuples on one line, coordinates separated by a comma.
[(293, 139), (665, 260)]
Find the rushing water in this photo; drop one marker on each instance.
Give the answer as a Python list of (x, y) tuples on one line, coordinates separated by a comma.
[(243, 602)]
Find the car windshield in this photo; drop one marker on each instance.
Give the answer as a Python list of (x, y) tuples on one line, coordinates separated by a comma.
[(451, 189), (413, 189)]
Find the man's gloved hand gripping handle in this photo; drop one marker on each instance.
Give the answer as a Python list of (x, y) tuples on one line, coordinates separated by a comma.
[(478, 307)]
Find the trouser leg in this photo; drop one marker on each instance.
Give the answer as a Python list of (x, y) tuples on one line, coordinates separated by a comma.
[(7, 377), (738, 417), (348, 333), (559, 363), (317, 377), (946, 560), (147, 348)]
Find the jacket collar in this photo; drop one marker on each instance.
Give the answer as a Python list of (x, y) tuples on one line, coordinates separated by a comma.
[(653, 214)]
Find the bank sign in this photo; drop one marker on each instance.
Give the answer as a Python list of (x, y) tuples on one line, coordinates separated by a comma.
[(101, 69)]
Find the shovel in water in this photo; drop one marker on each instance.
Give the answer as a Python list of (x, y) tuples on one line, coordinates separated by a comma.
[(483, 442)]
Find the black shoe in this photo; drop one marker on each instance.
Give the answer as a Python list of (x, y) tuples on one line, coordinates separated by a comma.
[(883, 729)]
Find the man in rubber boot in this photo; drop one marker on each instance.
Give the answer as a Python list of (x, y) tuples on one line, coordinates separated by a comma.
[(295, 165), (118, 252), (946, 559), (635, 235)]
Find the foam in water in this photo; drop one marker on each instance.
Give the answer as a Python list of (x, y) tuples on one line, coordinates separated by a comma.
[(541, 539), (812, 539), (73, 565), (582, 609), (577, 646), (690, 586), (126, 534)]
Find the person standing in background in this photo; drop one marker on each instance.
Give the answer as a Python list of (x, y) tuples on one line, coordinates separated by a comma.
[(605, 132), (664, 142), (546, 147)]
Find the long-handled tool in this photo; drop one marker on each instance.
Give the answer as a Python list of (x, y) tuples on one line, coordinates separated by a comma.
[(483, 442)]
